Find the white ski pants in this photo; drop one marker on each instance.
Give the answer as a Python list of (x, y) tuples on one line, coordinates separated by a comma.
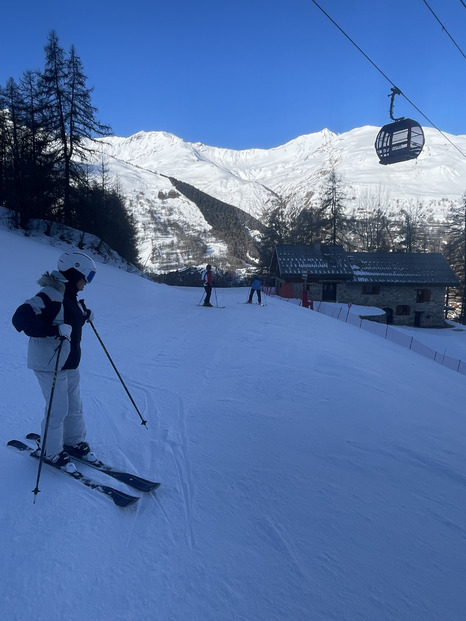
[(66, 423)]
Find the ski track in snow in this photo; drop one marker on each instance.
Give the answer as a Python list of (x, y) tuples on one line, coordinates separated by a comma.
[(176, 439), (278, 539), (166, 425)]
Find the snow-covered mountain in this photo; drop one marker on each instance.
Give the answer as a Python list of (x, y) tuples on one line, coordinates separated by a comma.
[(175, 232)]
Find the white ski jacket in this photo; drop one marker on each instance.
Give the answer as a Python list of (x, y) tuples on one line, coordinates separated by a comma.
[(39, 318)]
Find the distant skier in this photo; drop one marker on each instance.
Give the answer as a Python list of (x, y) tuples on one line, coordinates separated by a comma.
[(207, 281), (256, 286), (54, 314)]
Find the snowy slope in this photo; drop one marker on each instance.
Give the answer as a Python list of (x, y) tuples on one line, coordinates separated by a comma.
[(192, 163), (311, 470)]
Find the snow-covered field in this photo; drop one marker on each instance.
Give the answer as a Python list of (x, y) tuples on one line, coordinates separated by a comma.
[(310, 470)]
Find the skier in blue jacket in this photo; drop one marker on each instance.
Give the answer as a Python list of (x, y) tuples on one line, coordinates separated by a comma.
[(256, 286), (54, 314)]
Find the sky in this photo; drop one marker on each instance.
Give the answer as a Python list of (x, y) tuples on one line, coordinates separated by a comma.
[(310, 469), (252, 73)]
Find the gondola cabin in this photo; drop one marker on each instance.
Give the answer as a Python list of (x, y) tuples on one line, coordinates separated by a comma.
[(399, 141)]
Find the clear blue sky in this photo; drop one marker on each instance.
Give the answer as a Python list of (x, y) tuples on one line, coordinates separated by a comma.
[(251, 73)]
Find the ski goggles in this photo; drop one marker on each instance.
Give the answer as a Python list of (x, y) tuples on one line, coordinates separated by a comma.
[(90, 276)]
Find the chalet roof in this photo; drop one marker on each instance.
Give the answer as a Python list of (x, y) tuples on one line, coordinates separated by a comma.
[(330, 261), (402, 268), (317, 260)]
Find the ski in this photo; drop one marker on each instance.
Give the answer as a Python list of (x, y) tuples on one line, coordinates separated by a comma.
[(143, 485), (211, 306), (121, 499)]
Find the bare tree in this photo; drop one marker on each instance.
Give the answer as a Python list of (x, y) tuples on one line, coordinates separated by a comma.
[(371, 223), (412, 229)]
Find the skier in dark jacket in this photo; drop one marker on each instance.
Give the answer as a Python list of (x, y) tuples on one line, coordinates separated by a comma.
[(208, 282), (54, 314)]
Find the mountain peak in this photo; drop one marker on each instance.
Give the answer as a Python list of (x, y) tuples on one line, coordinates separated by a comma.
[(254, 179)]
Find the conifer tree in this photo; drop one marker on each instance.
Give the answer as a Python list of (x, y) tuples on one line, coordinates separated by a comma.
[(38, 155), (308, 225), (13, 140), (332, 205), (71, 114)]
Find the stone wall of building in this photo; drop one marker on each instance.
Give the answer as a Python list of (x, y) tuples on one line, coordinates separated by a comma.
[(394, 297), (401, 299)]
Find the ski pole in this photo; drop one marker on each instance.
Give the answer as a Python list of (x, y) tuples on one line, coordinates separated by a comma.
[(203, 294), (143, 422), (36, 490)]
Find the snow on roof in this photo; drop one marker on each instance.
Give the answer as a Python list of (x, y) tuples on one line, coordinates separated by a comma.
[(363, 267)]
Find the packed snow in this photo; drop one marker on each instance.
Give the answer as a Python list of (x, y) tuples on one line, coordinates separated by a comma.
[(311, 471)]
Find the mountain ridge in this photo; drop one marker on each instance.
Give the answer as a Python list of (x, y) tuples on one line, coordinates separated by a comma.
[(173, 232)]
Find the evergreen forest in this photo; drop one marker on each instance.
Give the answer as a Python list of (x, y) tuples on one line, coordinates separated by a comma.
[(44, 118)]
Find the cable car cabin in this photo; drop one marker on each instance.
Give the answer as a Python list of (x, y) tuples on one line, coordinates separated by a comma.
[(399, 141)]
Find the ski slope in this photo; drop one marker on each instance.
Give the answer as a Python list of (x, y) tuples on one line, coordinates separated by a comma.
[(310, 471)]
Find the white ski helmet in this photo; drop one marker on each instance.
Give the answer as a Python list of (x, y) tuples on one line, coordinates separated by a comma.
[(78, 261)]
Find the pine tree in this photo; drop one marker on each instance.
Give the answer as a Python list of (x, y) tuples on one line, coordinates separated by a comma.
[(71, 115), (332, 207), (38, 155), (16, 161), (308, 225)]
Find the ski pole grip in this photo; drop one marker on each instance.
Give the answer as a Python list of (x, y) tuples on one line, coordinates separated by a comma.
[(87, 312), (85, 309)]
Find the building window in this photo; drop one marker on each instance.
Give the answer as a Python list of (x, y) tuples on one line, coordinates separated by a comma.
[(371, 289), (403, 309), (423, 295)]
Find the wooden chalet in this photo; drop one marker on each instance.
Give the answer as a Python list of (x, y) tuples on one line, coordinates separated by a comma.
[(410, 287)]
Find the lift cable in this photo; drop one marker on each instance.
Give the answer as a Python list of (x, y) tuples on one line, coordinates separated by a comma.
[(388, 79), (445, 30)]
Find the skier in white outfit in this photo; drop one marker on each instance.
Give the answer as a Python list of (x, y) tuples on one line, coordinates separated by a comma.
[(54, 314)]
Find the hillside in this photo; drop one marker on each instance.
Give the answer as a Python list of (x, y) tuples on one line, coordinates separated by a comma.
[(173, 230), (310, 470)]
